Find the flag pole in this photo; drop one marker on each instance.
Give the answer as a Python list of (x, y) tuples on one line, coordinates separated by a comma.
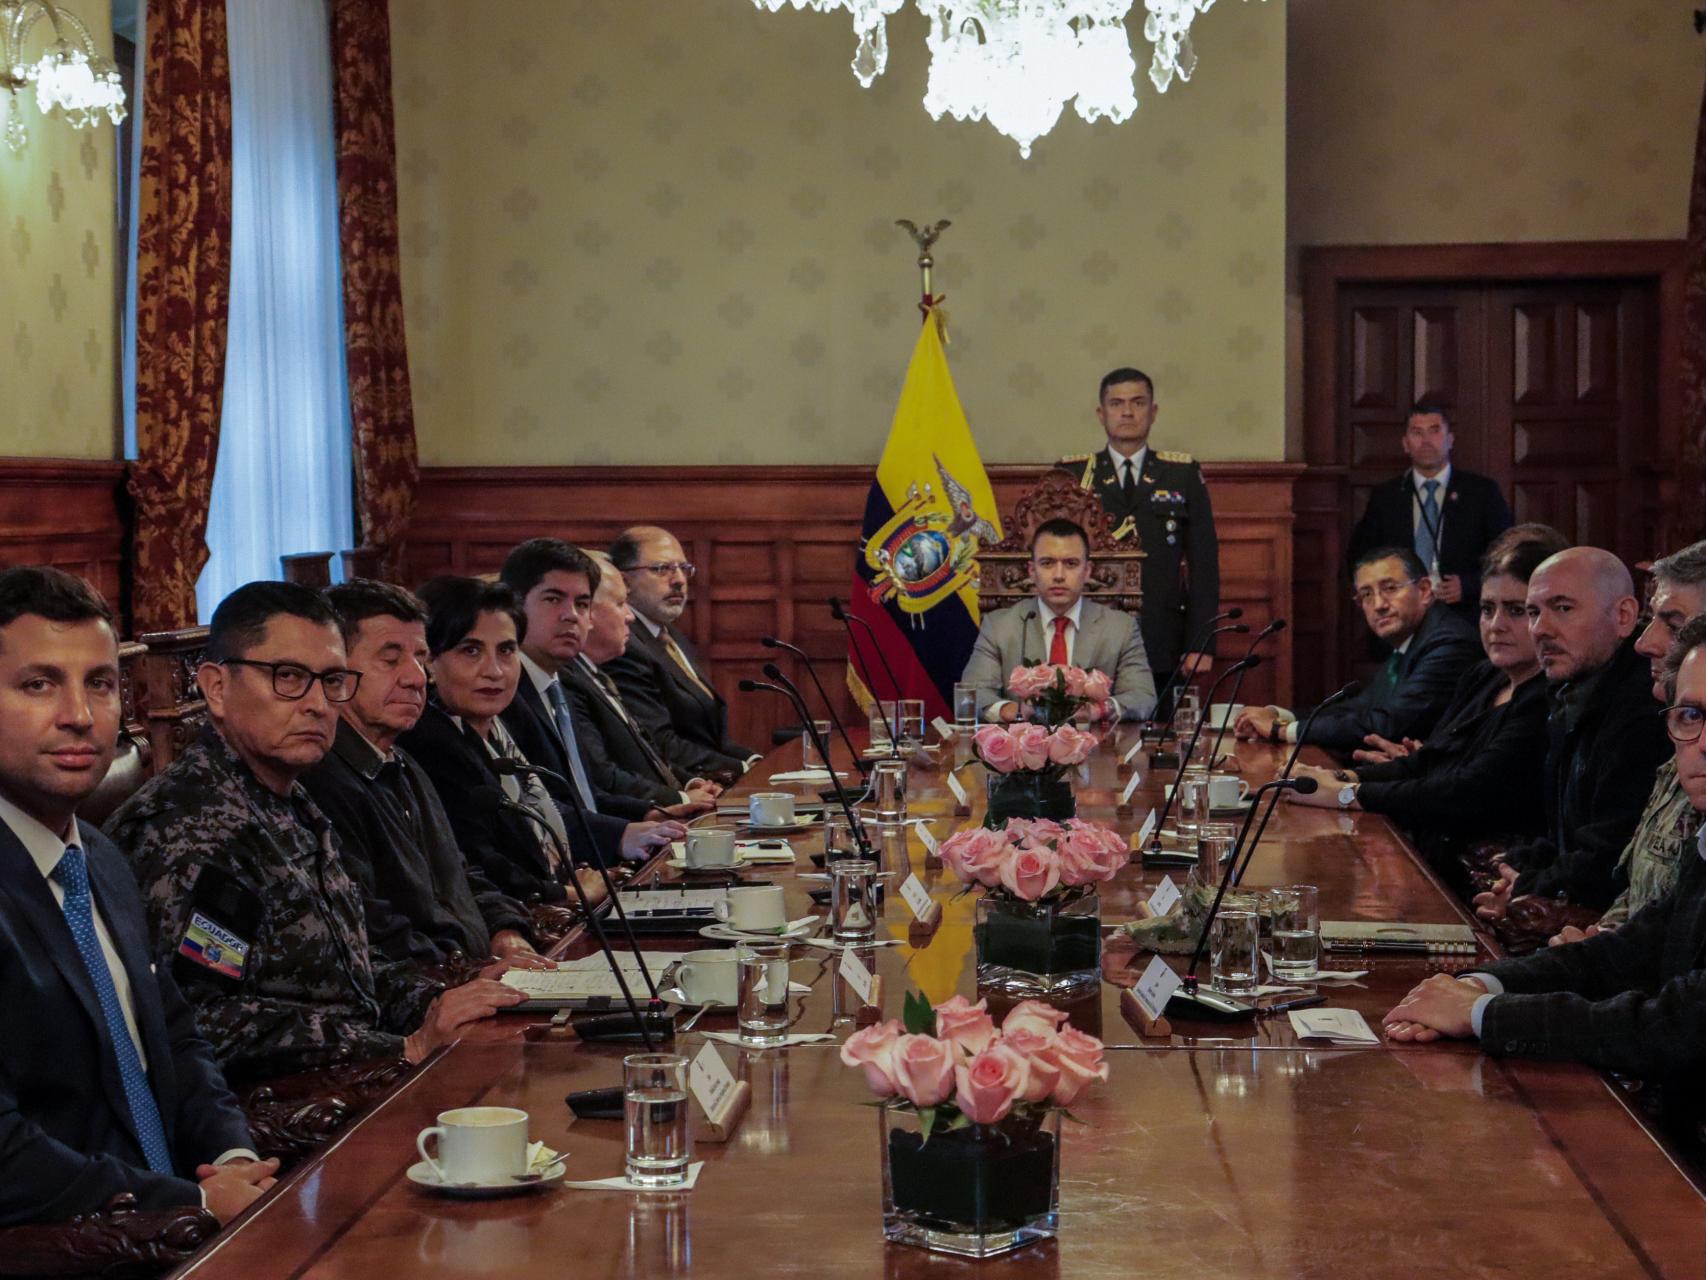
[(925, 239)]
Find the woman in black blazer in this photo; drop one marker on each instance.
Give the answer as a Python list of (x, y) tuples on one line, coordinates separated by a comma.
[(1481, 773)]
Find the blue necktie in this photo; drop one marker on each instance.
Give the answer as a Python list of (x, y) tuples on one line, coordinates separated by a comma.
[(1426, 547), (566, 726), (73, 876)]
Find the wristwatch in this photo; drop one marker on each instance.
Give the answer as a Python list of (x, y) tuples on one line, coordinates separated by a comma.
[(1347, 796)]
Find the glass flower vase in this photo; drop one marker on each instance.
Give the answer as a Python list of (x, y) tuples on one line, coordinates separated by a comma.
[(1028, 794), (1039, 950), (977, 1191)]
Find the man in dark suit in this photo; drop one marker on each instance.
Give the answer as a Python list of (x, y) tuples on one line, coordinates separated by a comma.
[(1448, 515), (1631, 1000), (1431, 649), (1160, 498), (105, 1084), (662, 681)]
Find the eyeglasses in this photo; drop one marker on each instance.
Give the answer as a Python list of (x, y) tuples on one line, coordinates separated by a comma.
[(1385, 590), (291, 681), (1683, 722), (666, 568)]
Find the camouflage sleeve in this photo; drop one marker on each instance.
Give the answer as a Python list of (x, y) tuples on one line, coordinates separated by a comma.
[(404, 993)]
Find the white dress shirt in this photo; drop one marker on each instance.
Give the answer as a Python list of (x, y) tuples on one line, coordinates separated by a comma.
[(1119, 461)]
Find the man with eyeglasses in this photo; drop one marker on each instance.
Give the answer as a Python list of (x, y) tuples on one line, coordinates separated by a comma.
[(1604, 743), (248, 897), (1431, 649), (1631, 1000), (662, 681)]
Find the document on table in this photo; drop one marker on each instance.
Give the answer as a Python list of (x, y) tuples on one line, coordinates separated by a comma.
[(587, 977), (1341, 1026)]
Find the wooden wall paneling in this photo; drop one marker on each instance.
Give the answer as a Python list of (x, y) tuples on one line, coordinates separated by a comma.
[(65, 513)]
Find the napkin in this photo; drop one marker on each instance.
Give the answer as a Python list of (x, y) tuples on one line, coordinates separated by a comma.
[(621, 1183), (804, 775), (1341, 1026), (540, 1157), (786, 1042)]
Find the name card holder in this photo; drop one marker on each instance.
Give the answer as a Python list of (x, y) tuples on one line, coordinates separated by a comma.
[(962, 801), (1125, 806), (923, 928), (719, 1100), (1132, 1010), (719, 1125), (871, 1012)]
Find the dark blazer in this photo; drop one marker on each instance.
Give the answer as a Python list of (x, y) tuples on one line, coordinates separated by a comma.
[(1443, 648), (1633, 1000), (1481, 771), (534, 729), (1600, 766), (67, 1144), (617, 758), (505, 844), (1472, 512), (689, 726)]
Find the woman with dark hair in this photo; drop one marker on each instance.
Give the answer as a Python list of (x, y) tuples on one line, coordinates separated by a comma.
[(1480, 774), (473, 634)]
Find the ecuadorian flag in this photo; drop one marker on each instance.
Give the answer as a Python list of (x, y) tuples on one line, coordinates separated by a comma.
[(929, 511)]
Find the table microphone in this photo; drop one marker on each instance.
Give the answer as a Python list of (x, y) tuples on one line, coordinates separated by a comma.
[(602, 1026), (1166, 728), (1189, 1000), (771, 642), (1272, 629), (1349, 691), (1243, 664), (503, 765), (1203, 637), (840, 613), (749, 686)]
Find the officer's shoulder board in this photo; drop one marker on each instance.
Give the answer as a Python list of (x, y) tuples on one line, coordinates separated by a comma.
[(1169, 455), (1073, 459)]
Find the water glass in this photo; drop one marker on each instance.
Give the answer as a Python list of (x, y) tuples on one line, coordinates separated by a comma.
[(853, 906), (1232, 953), (888, 784), (1191, 805), (840, 837), (965, 706), (762, 1014), (883, 714), (1186, 714), (1215, 842), (654, 1106), (911, 726), (1296, 937), (810, 757)]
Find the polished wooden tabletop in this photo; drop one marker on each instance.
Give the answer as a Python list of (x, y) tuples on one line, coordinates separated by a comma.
[(1223, 1151)]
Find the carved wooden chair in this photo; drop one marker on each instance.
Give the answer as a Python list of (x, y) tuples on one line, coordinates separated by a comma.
[(119, 1241), (173, 708), (308, 568), (133, 761), (363, 562), (293, 1116), (1116, 574)]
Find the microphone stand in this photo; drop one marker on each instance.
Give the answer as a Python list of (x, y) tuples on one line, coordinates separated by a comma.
[(1272, 629), (1192, 1001), (1243, 664), (793, 696), (1203, 637), (840, 614), (1167, 727), (771, 642), (1349, 691)]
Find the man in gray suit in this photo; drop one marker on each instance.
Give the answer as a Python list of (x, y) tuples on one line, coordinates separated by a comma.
[(1063, 628)]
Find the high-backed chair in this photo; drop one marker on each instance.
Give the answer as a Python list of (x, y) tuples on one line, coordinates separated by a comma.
[(308, 568), (1116, 577), (173, 708), (362, 562), (132, 762)]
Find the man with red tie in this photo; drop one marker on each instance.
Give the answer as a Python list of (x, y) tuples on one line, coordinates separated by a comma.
[(1062, 628)]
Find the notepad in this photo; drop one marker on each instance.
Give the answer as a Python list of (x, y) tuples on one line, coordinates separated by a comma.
[(1375, 935), (1341, 1026)]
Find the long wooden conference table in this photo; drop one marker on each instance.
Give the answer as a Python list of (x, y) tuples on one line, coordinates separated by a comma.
[(1224, 1151)]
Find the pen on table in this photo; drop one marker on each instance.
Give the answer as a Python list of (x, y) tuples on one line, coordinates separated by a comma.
[(1302, 1002)]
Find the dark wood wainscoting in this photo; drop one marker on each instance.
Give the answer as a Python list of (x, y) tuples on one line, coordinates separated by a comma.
[(773, 543), (64, 512)]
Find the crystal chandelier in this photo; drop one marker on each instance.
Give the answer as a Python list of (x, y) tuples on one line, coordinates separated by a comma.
[(71, 76), (1017, 63)]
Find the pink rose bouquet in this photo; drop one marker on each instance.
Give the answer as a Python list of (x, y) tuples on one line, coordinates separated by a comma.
[(953, 1066), (1032, 748), (1030, 859), (1058, 692)]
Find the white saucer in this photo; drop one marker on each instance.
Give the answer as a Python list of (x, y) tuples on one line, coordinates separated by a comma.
[(680, 999), (800, 823), (728, 933), (422, 1175)]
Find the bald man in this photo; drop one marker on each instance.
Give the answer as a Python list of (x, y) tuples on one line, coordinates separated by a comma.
[(1605, 745)]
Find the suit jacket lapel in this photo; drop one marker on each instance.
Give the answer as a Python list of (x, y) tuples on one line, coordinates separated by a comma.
[(535, 703), (1089, 636)]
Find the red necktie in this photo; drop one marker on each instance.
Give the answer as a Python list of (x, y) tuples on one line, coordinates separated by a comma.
[(1057, 646)]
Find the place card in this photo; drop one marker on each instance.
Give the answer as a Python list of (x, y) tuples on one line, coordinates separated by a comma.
[(1144, 1004), (1132, 750), (942, 727), (710, 1079), (1131, 786), (856, 975), (1165, 897), (1146, 830), (932, 846), (962, 802), (917, 897)]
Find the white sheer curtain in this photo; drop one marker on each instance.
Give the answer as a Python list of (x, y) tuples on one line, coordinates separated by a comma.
[(283, 481)]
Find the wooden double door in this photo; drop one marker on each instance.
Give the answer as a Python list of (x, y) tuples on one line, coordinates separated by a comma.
[(1553, 386)]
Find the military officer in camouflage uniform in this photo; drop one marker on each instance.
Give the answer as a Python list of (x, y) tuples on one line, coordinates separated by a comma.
[(1160, 498), (248, 899)]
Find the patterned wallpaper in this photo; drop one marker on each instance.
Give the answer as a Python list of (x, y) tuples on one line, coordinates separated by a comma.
[(58, 335), (663, 232)]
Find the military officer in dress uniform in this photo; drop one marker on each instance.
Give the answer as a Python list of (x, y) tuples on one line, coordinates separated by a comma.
[(1160, 497)]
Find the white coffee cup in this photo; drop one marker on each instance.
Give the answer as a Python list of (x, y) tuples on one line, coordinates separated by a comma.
[(1226, 791), (711, 847), (1224, 714), (756, 908), (771, 808), (709, 977), (477, 1145)]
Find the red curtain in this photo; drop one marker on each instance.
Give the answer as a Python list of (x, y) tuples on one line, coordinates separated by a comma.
[(386, 464), (183, 284)]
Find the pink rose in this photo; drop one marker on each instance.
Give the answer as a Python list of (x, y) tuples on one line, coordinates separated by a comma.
[(924, 1069), (1032, 1015), (964, 1024), (1033, 831), (1088, 855), (1098, 686), (1074, 682), (1031, 740), (1030, 873), (1079, 1058), (1067, 745), (995, 747), (975, 855), (990, 1083), (1033, 1045), (872, 1050), (1029, 682)]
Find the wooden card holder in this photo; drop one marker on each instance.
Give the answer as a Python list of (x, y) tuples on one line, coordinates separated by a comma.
[(923, 928), (721, 1127), (1132, 1010), (871, 1012)]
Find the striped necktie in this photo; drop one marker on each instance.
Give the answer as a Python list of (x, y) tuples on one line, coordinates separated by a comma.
[(680, 659), (565, 719), (613, 696), (72, 873)]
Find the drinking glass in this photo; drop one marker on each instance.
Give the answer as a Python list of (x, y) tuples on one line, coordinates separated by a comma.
[(1232, 953), (853, 900), (1215, 842), (810, 758), (880, 725), (888, 782), (1185, 716), (654, 1105), (911, 726), (762, 1014), (1191, 806), (1296, 937), (839, 839), (965, 706)]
